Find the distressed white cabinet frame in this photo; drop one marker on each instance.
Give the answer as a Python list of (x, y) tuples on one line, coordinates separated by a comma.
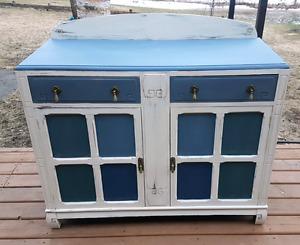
[(151, 205), (217, 158), (95, 160)]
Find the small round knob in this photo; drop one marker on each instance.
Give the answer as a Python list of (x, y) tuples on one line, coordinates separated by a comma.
[(250, 90), (115, 92), (194, 91), (56, 91)]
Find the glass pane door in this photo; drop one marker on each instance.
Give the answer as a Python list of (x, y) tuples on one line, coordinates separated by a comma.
[(96, 155), (217, 154)]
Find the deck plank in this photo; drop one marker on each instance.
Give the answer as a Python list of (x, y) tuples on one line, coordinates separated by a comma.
[(16, 157), (288, 153), (162, 240), (275, 225), (284, 191), (286, 165), (22, 211), (285, 177), (23, 181), (21, 195), (36, 210)]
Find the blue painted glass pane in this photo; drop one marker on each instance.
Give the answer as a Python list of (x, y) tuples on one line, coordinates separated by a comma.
[(115, 135), (68, 135), (194, 180), (76, 182), (119, 182), (196, 134), (236, 180), (241, 133)]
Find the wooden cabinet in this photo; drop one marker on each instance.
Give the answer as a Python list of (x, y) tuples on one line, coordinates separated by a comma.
[(118, 137)]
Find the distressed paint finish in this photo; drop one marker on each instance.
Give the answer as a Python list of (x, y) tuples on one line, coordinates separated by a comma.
[(154, 26), (223, 88), (121, 187), (85, 89)]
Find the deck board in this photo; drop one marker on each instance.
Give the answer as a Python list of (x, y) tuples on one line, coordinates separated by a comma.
[(22, 213)]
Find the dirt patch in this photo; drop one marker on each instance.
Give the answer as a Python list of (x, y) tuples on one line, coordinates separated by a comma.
[(24, 30)]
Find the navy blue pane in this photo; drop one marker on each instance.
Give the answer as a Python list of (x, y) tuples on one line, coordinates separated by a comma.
[(241, 133), (119, 182), (194, 180), (196, 134), (115, 134), (76, 182), (68, 135), (236, 180)]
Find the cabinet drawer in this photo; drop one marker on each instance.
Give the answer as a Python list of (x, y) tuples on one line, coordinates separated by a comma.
[(84, 89), (223, 88)]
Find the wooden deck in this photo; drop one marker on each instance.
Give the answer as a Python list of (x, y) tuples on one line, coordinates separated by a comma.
[(22, 213)]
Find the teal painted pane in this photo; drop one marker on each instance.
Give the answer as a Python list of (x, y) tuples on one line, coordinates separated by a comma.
[(119, 182), (194, 180), (76, 183), (196, 133), (236, 180), (241, 133), (115, 135), (68, 135)]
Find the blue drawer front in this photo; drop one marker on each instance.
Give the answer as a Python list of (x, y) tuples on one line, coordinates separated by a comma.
[(223, 88), (115, 135), (236, 180), (241, 133), (119, 182), (76, 182), (85, 89), (68, 135), (194, 180), (196, 133)]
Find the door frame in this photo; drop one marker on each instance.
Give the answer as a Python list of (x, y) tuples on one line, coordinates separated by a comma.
[(217, 158), (94, 160)]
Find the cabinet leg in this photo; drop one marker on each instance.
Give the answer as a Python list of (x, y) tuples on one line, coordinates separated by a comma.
[(52, 221), (261, 217)]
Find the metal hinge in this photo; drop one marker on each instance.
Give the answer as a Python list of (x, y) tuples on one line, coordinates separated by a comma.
[(172, 164), (141, 165)]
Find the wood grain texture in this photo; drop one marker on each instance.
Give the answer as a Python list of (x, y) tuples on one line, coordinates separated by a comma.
[(22, 194), (158, 240), (285, 177), (22, 217)]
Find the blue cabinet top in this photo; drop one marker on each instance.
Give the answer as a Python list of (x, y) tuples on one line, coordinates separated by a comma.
[(153, 55), (153, 42)]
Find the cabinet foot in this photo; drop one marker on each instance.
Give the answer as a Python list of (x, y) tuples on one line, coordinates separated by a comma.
[(261, 217), (52, 221)]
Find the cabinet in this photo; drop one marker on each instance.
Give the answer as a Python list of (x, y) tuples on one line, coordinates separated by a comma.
[(134, 139)]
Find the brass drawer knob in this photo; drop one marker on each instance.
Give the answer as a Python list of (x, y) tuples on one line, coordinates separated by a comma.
[(56, 92), (115, 92), (250, 90), (194, 91)]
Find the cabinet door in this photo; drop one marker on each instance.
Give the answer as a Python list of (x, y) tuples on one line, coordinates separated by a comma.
[(119, 149), (96, 156), (216, 154)]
